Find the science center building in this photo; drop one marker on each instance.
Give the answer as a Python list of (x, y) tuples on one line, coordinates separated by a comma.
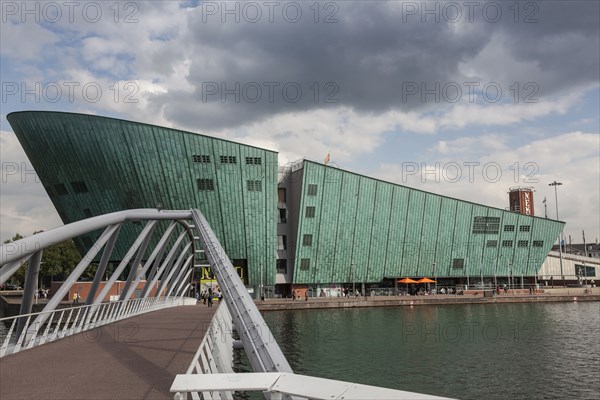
[(305, 225)]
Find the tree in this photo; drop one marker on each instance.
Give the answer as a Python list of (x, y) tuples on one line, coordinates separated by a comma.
[(58, 260)]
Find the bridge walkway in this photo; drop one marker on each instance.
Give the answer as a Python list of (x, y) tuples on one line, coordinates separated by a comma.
[(135, 358)]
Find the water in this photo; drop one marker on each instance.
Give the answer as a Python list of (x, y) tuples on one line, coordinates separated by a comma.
[(492, 351)]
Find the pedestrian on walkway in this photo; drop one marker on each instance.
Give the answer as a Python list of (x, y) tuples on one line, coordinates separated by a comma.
[(209, 299)]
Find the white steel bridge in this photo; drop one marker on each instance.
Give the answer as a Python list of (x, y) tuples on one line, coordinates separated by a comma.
[(163, 307)]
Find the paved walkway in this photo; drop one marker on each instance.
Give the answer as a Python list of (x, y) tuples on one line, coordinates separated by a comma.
[(136, 358), (550, 295)]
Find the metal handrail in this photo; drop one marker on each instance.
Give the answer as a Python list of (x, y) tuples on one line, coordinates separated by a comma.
[(72, 320)]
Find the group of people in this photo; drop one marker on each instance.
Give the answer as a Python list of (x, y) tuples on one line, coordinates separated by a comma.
[(208, 295), (41, 294)]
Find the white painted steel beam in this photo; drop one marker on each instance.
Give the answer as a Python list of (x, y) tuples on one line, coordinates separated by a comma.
[(17, 250), (291, 384)]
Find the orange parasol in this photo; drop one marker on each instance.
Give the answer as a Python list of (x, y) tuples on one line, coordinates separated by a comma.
[(407, 280), (426, 280)]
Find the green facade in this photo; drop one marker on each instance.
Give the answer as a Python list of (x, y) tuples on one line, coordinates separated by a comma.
[(388, 230), (92, 165)]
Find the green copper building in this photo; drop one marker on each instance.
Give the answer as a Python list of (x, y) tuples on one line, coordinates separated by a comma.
[(302, 224)]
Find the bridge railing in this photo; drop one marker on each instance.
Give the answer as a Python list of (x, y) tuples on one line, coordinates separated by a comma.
[(169, 267), (63, 322), (210, 376)]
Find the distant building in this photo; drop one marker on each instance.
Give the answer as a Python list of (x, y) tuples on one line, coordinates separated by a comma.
[(589, 250), (521, 201)]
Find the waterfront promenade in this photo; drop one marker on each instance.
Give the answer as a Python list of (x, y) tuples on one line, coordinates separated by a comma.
[(135, 358), (471, 297)]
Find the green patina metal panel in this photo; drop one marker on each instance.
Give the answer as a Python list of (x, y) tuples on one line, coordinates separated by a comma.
[(390, 230), (412, 238), (429, 234), (345, 237), (363, 228), (397, 231), (477, 241), (492, 245), (507, 242), (133, 165), (380, 231), (329, 189), (460, 242), (382, 228), (445, 237)]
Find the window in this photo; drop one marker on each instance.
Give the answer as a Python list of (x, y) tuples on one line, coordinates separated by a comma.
[(253, 161), (458, 263), (310, 212), (205, 184), (281, 242), (509, 228), (524, 228), (538, 243), (523, 243), (305, 264), (61, 189), (486, 225), (203, 159), (281, 194), (282, 266), (254, 186), (312, 190), (79, 187), (583, 270), (491, 243), (87, 212), (282, 215), (228, 159), (307, 240), (507, 243)]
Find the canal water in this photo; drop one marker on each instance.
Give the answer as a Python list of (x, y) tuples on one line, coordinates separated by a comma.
[(491, 351)]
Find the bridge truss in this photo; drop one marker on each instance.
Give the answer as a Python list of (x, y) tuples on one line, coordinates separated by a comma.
[(169, 269)]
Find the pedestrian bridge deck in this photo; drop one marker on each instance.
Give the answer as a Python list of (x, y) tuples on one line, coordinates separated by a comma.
[(135, 358)]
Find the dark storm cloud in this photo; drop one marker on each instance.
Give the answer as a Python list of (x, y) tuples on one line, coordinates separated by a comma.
[(244, 72)]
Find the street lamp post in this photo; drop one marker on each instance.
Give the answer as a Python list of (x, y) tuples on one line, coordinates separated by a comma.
[(562, 275), (510, 280)]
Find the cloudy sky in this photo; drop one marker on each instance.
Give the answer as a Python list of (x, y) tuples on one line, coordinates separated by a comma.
[(465, 99)]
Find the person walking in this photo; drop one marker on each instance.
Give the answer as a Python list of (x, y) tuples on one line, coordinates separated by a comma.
[(209, 299)]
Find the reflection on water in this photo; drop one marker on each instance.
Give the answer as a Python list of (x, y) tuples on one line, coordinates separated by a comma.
[(492, 351)]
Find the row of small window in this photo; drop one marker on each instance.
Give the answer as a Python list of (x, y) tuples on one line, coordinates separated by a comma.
[(209, 185), (509, 243), (522, 228), (491, 225), (205, 159), (282, 241), (78, 187)]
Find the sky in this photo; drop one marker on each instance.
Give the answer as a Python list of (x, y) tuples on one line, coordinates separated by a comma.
[(463, 99)]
